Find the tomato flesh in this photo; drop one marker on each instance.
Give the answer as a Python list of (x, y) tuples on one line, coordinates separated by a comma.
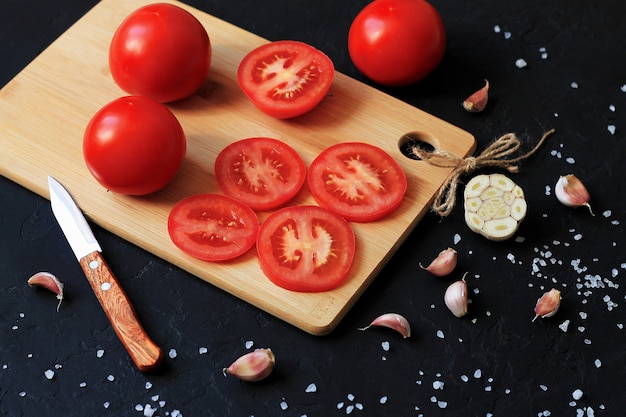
[(212, 227), (160, 51), (306, 248), (359, 181), (264, 173), (397, 42), (134, 145), (285, 79)]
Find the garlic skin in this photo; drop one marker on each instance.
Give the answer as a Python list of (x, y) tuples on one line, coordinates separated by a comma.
[(50, 282), (548, 304), (443, 264), (253, 366), (570, 191), (456, 298), (477, 101), (393, 321)]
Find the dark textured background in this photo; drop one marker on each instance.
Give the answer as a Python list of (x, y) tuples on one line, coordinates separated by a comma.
[(494, 362)]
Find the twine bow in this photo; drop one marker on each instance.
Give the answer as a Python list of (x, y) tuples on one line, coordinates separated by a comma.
[(495, 155)]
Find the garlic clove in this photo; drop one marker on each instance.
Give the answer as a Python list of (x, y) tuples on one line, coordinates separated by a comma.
[(548, 304), (443, 264), (570, 191), (50, 282), (455, 298), (478, 100), (253, 366), (393, 321)]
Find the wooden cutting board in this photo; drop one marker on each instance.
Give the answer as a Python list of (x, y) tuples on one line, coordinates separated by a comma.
[(45, 108)]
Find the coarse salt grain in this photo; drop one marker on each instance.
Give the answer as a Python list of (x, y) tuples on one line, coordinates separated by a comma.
[(385, 346), (383, 399), (577, 394), (202, 350), (440, 334), (564, 326), (520, 63), (249, 344), (611, 129), (438, 385), (597, 363), (100, 353), (284, 405), (49, 374), (311, 388), (574, 84), (457, 238), (172, 353)]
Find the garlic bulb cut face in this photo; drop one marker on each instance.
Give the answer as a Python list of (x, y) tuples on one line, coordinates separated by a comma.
[(494, 206)]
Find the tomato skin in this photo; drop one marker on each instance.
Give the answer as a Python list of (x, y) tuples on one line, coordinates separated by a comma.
[(264, 173), (212, 227), (134, 145), (357, 180), (285, 79), (292, 239), (160, 51), (397, 42)]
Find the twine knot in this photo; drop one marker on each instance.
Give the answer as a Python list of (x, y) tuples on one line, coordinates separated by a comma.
[(495, 156)]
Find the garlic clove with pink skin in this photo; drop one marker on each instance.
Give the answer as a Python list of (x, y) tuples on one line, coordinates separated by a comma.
[(253, 366), (477, 101), (570, 191), (455, 297), (393, 321), (443, 264), (50, 282), (548, 304)]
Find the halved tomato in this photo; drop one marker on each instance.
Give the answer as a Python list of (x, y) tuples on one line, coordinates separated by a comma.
[(285, 79), (263, 173), (212, 227), (359, 181), (306, 248)]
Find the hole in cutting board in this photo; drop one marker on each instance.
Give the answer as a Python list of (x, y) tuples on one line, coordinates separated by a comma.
[(412, 140)]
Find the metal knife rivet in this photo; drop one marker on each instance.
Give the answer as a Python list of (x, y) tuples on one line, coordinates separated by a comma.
[(93, 264), (105, 286)]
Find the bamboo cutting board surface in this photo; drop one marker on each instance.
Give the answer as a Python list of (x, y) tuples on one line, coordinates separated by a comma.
[(45, 109)]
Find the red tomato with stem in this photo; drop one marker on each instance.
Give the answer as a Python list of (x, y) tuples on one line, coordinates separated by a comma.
[(134, 145), (285, 79), (397, 42), (212, 227), (306, 248), (160, 51), (263, 173), (359, 181)]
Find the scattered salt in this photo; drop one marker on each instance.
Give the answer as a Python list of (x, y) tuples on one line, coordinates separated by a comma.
[(49, 374), (570, 160), (623, 88), (110, 378), (507, 35), (383, 399), (284, 405), (497, 29), (611, 129), (520, 63), (612, 108), (464, 378), (148, 385), (598, 363), (440, 334), (477, 373), (438, 385), (100, 353), (311, 388), (564, 326), (577, 394), (148, 410), (574, 84), (249, 344), (543, 387), (385, 346), (202, 350), (106, 404), (172, 353), (457, 238)]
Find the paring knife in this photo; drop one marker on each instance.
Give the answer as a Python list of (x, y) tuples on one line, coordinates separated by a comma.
[(143, 351)]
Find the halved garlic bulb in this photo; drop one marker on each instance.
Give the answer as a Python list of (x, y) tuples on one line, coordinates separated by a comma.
[(494, 206)]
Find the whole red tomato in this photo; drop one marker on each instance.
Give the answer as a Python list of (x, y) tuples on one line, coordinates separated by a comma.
[(397, 42), (134, 145), (160, 51)]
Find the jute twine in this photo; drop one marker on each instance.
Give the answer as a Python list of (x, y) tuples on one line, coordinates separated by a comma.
[(495, 156)]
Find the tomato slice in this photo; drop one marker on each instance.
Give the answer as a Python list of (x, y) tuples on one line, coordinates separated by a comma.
[(263, 173), (306, 248), (212, 227), (361, 182), (285, 79)]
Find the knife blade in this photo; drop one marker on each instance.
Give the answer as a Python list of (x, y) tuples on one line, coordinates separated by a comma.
[(144, 352)]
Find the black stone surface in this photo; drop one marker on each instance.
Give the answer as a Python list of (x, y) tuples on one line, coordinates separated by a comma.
[(493, 362)]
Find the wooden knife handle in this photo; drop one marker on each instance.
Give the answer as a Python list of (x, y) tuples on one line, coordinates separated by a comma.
[(143, 351)]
